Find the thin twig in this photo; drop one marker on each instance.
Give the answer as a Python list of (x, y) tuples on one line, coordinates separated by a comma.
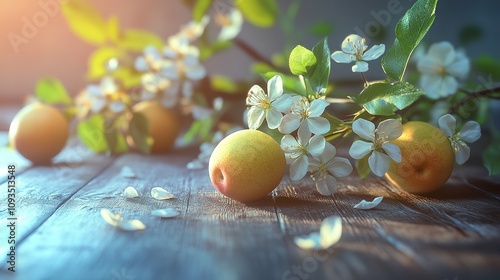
[(473, 95), (250, 51)]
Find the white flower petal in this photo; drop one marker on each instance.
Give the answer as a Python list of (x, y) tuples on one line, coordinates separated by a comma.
[(449, 86), (391, 128), (462, 152), (130, 192), (196, 72), (131, 225), (289, 123), (330, 231), (255, 96), (392, 151), (365, 205), (341, 57), (326, 185), (379, 163), (303, 134), (431, 84), (316, 145), (110, 218), (318, 125), (317, 107), (165, 213), (459, 68), (351, 42), (256, 116), (447, 124), (443, 52), (161, 194), (340, 167), (283, 103), (127, 172), (141, 64), (298, 168), (374, 52), (275, 87), (360, 66), (289, 144), (471, 132), (328, 153), (273, 118), (308, 242), (360, 149), (195, 164), (364, 129)]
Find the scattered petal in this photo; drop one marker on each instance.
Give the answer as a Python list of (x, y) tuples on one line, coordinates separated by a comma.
[(131, 225), (111, 218), (365, 205), (165, 213), (161, 194), (130, 192), (329, 234), (127, 172)]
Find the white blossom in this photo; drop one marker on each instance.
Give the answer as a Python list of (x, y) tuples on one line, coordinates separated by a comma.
[(441, 68), (304, 112), (268, 106), (353, 50), (297, 151), (230, 23), (470, 132), (326, 167), (377, 144)]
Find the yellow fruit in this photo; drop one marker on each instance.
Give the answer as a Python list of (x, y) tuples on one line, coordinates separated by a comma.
[(164, 127), (427, 159), (247, 165), (39, 132)]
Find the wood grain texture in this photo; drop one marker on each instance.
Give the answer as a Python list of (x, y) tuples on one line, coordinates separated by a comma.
[(450, 234)]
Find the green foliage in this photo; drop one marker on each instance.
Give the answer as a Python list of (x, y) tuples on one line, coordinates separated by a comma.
[(200, 129), (384, 98), (469, 33), (322, 28), (201, 8), (114, 139), (91, 133), (85, 21), (261, 13), (223, 84), (137, 40), (302, 61), (362, 167), (139, 131), (52, 91), (491, 155), (488, 65), (319, 78), (410, 30)]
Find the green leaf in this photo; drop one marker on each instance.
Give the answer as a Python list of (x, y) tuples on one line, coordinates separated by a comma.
[(362, 167), (85, 21), (113, 29), (321, 75), (223, 84), (491, 155), (200, 9), (208, 50), (139, 130), (322, 28), (91, 133), (52, 91), (384, 98), (115, 140), (410, 30), (302, 61), (137, 40), (261, 13), (200, 129)]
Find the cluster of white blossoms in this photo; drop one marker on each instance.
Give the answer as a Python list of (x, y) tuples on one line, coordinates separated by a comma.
[(98, 98), (169, 74), (441, 69)]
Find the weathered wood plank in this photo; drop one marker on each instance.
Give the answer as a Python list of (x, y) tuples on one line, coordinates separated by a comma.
[(9, 156), (42, 189), (214, 238)]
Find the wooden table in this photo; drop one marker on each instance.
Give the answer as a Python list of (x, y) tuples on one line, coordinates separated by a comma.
[(451, 234)]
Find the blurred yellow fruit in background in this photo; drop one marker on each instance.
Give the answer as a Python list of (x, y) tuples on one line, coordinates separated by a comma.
[(39, 132), (427, 158), (164, 126)]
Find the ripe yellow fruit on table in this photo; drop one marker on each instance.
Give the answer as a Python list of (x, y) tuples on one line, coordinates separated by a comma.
[(164, 126), (247, 165), (427, 159), (39, 132)]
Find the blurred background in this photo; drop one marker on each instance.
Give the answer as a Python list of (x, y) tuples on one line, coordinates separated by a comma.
[(52, 49)]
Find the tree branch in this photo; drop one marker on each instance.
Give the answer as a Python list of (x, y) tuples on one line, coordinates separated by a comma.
[(474, 95)]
